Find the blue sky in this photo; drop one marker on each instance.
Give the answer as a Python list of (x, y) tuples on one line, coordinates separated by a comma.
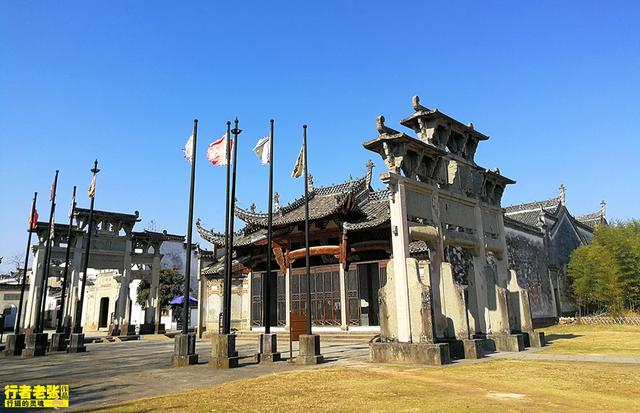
[(555, 85)]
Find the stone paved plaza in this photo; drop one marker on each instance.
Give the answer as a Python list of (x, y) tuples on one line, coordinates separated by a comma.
[(109, 373)]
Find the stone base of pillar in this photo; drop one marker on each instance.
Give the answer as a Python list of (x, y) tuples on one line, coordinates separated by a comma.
[(534, 339), (309, 349), (184, 351), (14, 345), (76, 343), (122, 330), (504, 342), (152, 328), (464, 349), (410, 353), (58, 342), (35, 345), (268, 349), (223, 351)]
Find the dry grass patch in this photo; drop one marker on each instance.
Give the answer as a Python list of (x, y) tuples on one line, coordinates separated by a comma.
[(508, 385), (619, 340)]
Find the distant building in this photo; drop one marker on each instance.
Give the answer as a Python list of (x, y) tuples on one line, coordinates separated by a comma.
[(541, 236)]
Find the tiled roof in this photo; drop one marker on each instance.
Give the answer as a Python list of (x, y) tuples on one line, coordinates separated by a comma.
[(592, 219), (375, 213), (551, 205)]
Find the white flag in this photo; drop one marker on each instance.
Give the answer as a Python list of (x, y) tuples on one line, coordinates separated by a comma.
[(263, 149), (217, 151), (188, 149)]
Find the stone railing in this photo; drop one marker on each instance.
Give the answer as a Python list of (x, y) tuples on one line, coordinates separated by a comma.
[(601, 320)]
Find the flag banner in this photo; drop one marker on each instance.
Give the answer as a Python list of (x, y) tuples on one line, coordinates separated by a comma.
[(262, 149), (188, 149), (53, 185), (72, 206), (217, 151), (52, 234), (33, 222), (92, 187), (298, 168)]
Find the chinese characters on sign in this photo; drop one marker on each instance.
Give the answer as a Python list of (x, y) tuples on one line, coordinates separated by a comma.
[(26, 396)]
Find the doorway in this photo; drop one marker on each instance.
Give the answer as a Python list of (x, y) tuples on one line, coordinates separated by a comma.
[(103, 318)]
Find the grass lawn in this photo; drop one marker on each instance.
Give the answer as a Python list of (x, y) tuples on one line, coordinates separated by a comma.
[(497, 385), (586, 339)]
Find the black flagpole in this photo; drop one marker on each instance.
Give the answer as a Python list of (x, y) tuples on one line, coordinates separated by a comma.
[(226, 221), (306, 231), (77, 328), (47, 256), (266, 288), (226, 316), (187, 267), (66, 264), (26, 263)]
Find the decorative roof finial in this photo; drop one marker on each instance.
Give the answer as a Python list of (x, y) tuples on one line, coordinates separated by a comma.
[(416, 104), (310, 180), (603, 209), (197, 222), (563, 193), (252, 207), (369, 166), (382, 128), (276, 201)]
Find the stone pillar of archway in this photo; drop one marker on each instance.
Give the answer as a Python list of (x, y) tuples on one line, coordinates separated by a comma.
[(72, 302), (33, 300), (122, 327), (152, 315)]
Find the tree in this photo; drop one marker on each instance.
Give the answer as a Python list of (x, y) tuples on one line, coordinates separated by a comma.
[(605, 275), (171, 286)]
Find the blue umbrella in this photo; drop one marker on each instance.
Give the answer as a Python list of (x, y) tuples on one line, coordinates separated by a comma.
[(180, 300)]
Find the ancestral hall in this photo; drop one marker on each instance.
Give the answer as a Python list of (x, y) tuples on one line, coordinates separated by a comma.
[(452, 226), (540, 237)]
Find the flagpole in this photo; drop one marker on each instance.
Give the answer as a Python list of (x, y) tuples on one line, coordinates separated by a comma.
[(306, 231), (266, 287), (66, 264), (187, 269), (47, 255), (226, 315), (77, 327), (226, 220), (26, 263)]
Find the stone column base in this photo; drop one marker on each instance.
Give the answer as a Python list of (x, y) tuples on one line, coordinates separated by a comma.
[(76, 343), (122, 330), (464, 349), (35, 345), (505, 342), (534, 339), (58, 342), (223, 351), (410, 353), (14, 345), (309, 350), (184, 351), (268, 348)]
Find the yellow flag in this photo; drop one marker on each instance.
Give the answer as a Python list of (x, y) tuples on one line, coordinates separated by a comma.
[(298, 168), (92, 187)]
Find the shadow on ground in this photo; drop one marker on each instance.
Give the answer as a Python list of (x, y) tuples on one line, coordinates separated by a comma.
[(550, 338)]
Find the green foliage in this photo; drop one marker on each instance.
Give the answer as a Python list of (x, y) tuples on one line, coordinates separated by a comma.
[(171, 285), (606, 274)]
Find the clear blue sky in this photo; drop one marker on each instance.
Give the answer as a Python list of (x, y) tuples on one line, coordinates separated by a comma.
[(554, 83)]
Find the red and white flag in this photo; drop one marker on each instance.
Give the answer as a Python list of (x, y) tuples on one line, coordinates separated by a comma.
[(33, 221), (217, 151)]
